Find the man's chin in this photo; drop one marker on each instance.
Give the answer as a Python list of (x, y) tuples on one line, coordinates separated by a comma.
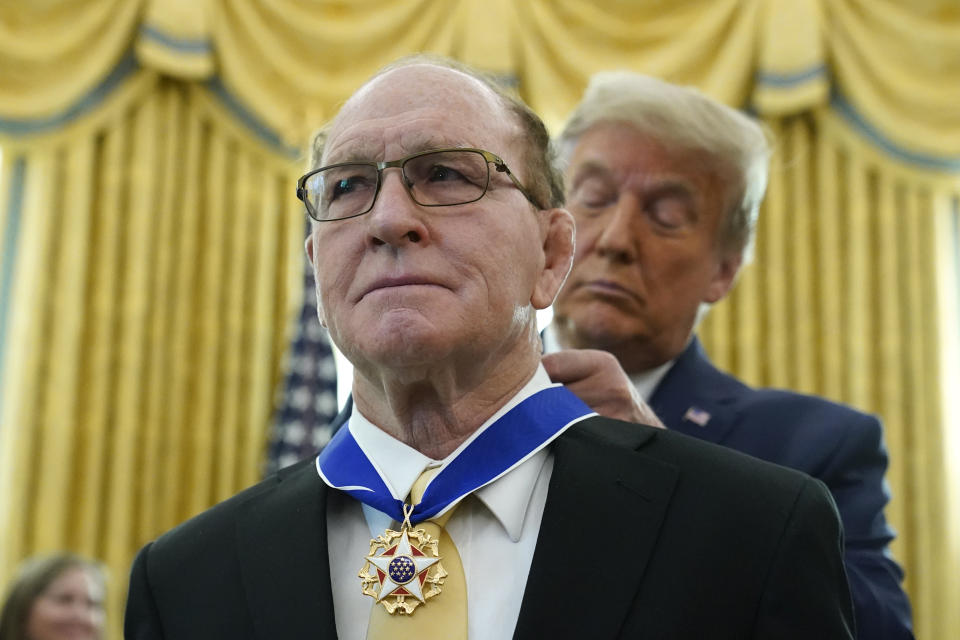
[(401, 353), (597, 331)]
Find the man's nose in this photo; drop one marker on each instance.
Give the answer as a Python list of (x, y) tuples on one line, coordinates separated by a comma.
[(618, 237), (396, 219)]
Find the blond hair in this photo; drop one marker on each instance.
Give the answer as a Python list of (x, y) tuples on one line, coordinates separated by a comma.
[(683, 117)]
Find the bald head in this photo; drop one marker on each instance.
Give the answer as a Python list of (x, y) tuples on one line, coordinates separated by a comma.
[(397, 95), (535, 158)]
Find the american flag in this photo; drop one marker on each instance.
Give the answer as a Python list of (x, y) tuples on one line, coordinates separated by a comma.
[(697, 416), (307, 401)]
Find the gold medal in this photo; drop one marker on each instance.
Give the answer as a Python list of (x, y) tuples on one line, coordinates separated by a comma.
[(403, 569)]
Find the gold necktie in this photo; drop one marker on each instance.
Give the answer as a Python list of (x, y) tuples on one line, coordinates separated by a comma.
[(443, 616)]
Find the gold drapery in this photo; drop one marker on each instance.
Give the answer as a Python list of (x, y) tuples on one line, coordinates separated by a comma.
[(842, 301), (157, 260), (151, 242)]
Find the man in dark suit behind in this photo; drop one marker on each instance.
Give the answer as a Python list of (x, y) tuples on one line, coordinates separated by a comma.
[(438, 235), (665, 185)]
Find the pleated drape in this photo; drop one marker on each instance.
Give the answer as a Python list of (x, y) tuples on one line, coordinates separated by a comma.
[(148, 326), (850, 253), (151, 262)]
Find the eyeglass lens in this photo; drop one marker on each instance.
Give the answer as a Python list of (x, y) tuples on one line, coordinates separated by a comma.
[(433, 179)]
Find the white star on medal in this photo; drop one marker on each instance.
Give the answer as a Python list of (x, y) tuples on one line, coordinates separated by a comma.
[(413, 584)]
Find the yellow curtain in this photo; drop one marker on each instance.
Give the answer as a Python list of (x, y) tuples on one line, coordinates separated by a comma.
[(157, 255), (152, 247), (842, 301)]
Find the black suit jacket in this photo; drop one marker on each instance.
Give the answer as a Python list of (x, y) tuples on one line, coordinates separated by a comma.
[(835, 444), (645, 533)]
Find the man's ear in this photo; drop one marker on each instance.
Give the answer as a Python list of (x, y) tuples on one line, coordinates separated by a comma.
[(310, 247), (726, 274), (558, 246)]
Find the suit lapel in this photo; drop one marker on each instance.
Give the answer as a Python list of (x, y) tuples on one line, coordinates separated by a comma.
[(695, 398), (282, 541), (603, 514)]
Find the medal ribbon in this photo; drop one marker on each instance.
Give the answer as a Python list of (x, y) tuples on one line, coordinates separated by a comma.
[(503, 445)]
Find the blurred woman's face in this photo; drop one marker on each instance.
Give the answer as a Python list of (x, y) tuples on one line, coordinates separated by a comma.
[(71, 608)]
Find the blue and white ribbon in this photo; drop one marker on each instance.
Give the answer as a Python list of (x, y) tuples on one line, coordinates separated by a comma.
[(500, 447)]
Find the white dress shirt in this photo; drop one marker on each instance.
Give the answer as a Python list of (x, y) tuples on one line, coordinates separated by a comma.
[(645, 382), (495, 529)]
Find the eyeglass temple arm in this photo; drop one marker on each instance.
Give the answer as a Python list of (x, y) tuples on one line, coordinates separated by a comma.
[(503, 168)]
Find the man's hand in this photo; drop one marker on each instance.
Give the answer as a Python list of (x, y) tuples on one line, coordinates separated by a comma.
[(598, 379)]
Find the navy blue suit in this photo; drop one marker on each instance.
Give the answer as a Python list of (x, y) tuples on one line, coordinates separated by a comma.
[(839, 446)]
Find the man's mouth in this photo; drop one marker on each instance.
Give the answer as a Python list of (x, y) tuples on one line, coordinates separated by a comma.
[(607, 286), (394, 282)]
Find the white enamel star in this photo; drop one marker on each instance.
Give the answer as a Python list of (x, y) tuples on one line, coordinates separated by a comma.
[(420, 564)]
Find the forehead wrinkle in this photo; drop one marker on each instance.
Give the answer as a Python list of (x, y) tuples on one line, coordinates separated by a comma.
[(462, 99), (633, 178), (630, 177), (589, 167), (661, 181), (368, 144)]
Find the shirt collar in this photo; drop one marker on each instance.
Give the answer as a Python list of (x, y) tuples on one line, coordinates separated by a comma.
[(646, 382), (400, 465), (551, 342)]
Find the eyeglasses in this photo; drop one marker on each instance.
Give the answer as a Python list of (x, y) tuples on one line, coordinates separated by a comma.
[(436, 178)]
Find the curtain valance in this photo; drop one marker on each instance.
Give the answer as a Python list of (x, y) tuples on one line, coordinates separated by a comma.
[(890, 68)]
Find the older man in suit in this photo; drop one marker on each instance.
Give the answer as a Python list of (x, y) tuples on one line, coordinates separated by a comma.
[(468, 496), (665, 185)]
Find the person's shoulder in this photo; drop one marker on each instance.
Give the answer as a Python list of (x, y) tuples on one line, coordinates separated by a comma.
[(211, 526), (791, 411), (733, 494), (200, 565), (781, 401), (769, 397), (764, 402), (697, 459)]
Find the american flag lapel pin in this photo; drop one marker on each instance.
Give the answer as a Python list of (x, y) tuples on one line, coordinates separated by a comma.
[(697, 416)]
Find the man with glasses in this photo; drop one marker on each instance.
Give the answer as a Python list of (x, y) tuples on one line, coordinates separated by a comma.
[(469, 497)]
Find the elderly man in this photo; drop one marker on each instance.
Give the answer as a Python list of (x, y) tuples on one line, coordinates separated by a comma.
[(499, 504), (665, 184)]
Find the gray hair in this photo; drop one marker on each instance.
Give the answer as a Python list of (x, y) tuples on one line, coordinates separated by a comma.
[(686, 118)]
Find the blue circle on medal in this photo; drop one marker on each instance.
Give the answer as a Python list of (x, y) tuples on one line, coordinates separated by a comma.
[(401, 569)]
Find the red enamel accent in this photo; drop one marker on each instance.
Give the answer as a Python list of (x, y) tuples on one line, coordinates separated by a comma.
[(390, 551), (415, 551), (401, 592), (380, 576)]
